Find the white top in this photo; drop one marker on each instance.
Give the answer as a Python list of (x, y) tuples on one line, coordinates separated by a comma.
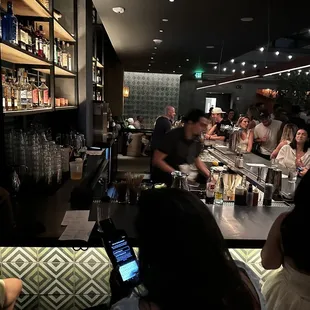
[(287, 157), (271, 132), (137, 124), (243, 144)]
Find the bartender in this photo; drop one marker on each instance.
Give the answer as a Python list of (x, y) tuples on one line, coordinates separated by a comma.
[(180, 146)]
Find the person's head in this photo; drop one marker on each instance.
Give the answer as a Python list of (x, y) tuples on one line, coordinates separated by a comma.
[(217, 114), (260, 106), (301, 139), (253, 113), (130, 121), (139, 118), (289, 132), (196, 122), (243, 122), (176, 231), (170, 112), (265, 119), (231, 114)]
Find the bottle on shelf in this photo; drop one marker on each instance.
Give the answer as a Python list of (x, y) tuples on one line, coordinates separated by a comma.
[(210, 189), (10, 25), (26, 93), (69, 58), (59, 53), (11, 92), (249, 196), (45, 44), (39, 41), (35, 93), (22, 37), (219, 191), (64, 59), (94, 72), (255, 197), (43, 94), (17, 88), (5, 93), (31, 38), (98, 77), (240, 161)]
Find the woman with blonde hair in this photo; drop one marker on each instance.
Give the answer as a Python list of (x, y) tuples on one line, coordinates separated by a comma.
[(287, 137), (246, 137)]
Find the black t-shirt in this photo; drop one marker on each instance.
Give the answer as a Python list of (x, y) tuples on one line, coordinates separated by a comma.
[(221, 129), (162, 126), (179, 151)]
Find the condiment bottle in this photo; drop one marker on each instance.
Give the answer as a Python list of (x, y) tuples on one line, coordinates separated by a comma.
[(240, 165), (255, 197), (249, 196)]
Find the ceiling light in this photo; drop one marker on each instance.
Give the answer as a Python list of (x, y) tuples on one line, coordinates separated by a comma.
[(241, 79), (307, 72), (247, 19), (277, 53), (161, 30), (187, 59), (118, 10), (233, 70), (288, 73), (157, 41), (262, 49), (232, 60), (173, 71), (149, 65), (299, 71), (243, 63), (280, 73), (208, 86), (179, 66), (154, 53), (209, 46), (212, 63), (165, 19), (224, 69), (242, 72), (255, 66), (171, 0), (148, 70), (155, 47), (289, 56), (215, 67), (152, 57), (266, 67), (287, 70)]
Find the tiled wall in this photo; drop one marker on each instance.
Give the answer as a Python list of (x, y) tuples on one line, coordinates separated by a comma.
[(149, 94), (62, 278)]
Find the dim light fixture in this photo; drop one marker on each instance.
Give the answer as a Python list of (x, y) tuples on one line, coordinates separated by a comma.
[(179, 66), (243, 63), (224, 69), (187, 59), (255, 65), (241, 79), (165, 20), (289, 56), (125, 91), (209, 46), (287, 70), (262, 49), (288, 73), (247, 19), (232, 61), (208, 86), (215, 67), (242, 72), (118, 10), (233, 70), (307, 72), (277, 53), (161, 30)]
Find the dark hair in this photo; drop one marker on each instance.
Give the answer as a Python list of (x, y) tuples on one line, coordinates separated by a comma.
[(293, 144), (295, 228), (194, 116), (295, 109), (259, 104), (231, 110), (182, 253)]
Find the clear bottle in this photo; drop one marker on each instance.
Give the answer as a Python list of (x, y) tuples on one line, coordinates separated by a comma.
[(69, 58), (43, 94), (22, 37), (249, 196), (39, 41), (219, 191), (64, 60), (4, 93), (31, 38), (210, 188), (55, 52), (10, 25), (59, 53), (26, 93), (35, 93), (17, 88), (241, 161)]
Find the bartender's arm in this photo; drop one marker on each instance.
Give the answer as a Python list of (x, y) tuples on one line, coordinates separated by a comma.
[(202, 167), (159, 161)]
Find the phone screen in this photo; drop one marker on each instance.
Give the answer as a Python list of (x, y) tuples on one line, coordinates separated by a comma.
[(125, 259)]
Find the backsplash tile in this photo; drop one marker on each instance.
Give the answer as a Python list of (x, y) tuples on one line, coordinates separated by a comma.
[(54, 255)]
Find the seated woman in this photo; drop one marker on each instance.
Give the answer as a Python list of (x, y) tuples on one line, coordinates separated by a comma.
[(288, 134), (286, 245), (245, 141), (9, 292), (183, 259), (296, 155)]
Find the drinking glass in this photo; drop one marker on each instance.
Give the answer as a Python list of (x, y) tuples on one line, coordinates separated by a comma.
[(76, 170)]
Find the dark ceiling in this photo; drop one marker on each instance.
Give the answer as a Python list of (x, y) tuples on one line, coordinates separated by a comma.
[(191, 27)]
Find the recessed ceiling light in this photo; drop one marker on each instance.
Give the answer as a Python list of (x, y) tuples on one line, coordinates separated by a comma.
[(247, 19), (232, 60), (148, 70), (299, 71), (161, 30), (149, 65), (242, 72), (118, 10), (233, 70), (157, 41), (266, 67), (173, 71), (152, 57), (277, 53), (243, 63), (187, 59), (155, 47), (179, 66), (165, 19), (210, 46), (171, 0), (255, 65), (212, 63), (307, 72), (288, 73), (224, 69), (215, 67), (289, 56), (262, 49)]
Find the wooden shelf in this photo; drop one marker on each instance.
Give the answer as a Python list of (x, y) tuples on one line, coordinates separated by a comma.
[(27, 112), (28, 8), (59, 71), (98, 64), (59, 31), (14, 54), (68, 107)]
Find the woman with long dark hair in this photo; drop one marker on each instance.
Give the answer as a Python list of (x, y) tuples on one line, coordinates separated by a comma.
[(286, 245), (184, 261)]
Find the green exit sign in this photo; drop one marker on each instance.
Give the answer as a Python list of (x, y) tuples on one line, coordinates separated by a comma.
[(198, 75)]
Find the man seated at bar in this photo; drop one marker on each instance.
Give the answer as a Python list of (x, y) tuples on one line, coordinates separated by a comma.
[(266, 134), (219, 130), (180, 146)]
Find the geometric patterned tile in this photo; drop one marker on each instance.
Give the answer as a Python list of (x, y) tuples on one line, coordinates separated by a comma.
[(239, 254), (254, 256), (56, 278), (262, 273), (55, 255), (19, 254), (92, 279), (56, 302), (82, 302), (27, 272), (1, 254), (91, 256), (29, 302)]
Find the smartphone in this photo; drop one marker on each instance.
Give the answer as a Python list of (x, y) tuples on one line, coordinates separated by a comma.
[(122, 255)]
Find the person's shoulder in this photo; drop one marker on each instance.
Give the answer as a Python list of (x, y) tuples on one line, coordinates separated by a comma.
[(277, 122), (127, 304)]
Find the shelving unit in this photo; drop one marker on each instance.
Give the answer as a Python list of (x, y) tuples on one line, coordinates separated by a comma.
[(59, 71), (68, 107), (28, 112)]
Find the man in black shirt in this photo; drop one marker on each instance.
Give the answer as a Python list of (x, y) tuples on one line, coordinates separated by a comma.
[(180, 146), (220, 131)]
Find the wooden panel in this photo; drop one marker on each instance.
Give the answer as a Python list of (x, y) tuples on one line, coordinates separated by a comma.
[(13, 54), (58, 71), (28, 8)]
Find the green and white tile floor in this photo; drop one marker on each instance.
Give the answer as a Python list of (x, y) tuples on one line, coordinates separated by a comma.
[(62, 278)]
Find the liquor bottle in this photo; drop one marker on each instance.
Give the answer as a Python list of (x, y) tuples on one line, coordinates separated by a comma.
[(219, 191), (59, 53), (39, 41), (25, 93), (55, 51), (31, 39), (5, 104), (94, 72), (69, 58), (35, 93), (210, 190), (17, 88), (10, 25), (44, 42), (43, 94), (240, 193), (98, 77), (64, 57), (22, 37)]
